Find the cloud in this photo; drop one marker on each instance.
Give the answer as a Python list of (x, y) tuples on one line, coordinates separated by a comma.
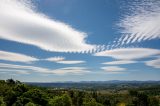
[(20, 22), (113, 69), (141, 22), (120, 62), (71, 70), (60, 71), (55, 59), (16, 57), (14, 71), (129, 53), (62, 60), (153, 63), (24, 67), (70, 62)]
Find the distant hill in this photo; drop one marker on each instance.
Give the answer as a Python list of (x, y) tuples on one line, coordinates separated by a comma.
[(97, 84)]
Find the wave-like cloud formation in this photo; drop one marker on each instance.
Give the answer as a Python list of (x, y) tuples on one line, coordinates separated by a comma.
[(61, 60), (21, 23), (142, 22), (29, 69), (129, 53), (120, 62), (71, 70), (113, 69), (71, 62), (55, 59), (24, 67), (153, 63), (16, 57), (15, 71)]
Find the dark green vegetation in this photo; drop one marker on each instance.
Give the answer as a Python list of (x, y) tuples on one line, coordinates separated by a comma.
[(15, 93)]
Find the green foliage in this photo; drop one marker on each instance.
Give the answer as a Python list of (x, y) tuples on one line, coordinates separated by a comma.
[(30, 104), (91, 102), (21, 101), (20, 89), (15, 93), (36, 96), (154, 101), (63, 100), (133, 92), (10, 82), (142, 99), (2, 103), (10, 97)]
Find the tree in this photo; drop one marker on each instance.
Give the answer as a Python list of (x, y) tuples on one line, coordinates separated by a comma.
[(10, 81), (10, 98), (21, 101), (91, 102), (20, 89), (133, 92), (2, 81), (121, 104), (30, 104), (18, 82), (2, 103), (153, 101), (140, 100), (36, 96), (143, 99), (107, 102), (63, 100)]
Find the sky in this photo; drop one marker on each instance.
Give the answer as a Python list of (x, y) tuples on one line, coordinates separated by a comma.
[(79, 40)]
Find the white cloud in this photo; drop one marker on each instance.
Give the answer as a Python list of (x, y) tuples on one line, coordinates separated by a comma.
[(60, 71), (113, 69), (71, 70), (129, 53), (62, 60), (55, 59), (24, 67), (120, 62), (21, 23), (14, 71), (153, 63), (16, 57), (71, 62), (142, 22)]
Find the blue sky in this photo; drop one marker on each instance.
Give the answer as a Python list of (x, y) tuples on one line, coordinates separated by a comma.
[(79, 40)]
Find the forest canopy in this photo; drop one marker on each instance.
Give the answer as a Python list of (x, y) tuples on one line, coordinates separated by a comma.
[(16, 93)]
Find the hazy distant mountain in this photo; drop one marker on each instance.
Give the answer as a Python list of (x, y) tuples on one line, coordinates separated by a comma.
[(96, 84)]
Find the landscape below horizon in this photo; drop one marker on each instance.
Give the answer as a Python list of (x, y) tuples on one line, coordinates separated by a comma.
[(79, 40), (108, 93)]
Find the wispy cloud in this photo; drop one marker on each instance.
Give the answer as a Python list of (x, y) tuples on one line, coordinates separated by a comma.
[(153, 63), (142, 21), (62, 60), (20, 22), (24, 67), (129, 53), (55, 59), (14, 71), (120, 62), (16, 57), (113, 69), (71, 62), (71, 70), (60, 71)]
